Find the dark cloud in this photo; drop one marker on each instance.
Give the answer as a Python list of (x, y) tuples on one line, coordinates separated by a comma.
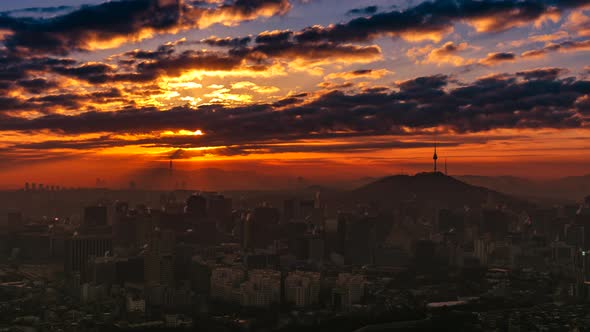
[(311, 52), (542, 73), (89, 72), (162, 51), (109, 23), (362, 72), (369, 10), (37, 85), (274, 37), (146, 66), (438, 17), (38, 10), (190, 60), (424, 83), (496, 58), (566, 46), (13, 67), (79, 29), (227, 41), (243, 149), (522, 100)]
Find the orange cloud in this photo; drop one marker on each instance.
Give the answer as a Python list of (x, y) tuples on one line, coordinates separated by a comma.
[(578, 23), (447, 54)]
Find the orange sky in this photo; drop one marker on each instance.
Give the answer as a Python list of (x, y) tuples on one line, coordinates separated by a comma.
[(288, 89)]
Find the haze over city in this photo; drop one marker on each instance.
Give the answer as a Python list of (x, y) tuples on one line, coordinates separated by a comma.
[(294, 165), (297, 89)]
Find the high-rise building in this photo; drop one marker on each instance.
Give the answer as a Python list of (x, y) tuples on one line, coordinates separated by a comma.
[(14, 220), (159, 258), (262, 289), (261, 227), (95, 216), (302, 289), (79, 249), (225, 284), (219, 207), (200, 276), (196, 206), (349, 290)]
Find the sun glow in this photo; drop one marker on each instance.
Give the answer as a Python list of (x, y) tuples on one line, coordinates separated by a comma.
[(184, 132)]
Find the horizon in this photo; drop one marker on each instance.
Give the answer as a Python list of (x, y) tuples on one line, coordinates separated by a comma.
[(293, 88), (173, 182)]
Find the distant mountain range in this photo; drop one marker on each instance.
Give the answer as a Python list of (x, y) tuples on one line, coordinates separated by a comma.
[(425, 185), (431, 187), (567, 189)]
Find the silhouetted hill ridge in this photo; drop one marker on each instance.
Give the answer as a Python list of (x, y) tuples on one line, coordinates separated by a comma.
[(432, 187)]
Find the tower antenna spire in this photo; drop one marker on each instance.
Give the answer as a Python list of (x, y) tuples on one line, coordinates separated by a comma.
[(434, 156), (446, 170)]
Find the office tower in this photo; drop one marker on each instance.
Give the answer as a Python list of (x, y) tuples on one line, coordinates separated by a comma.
[(200, 276), (14, 221), (349, 290), (196, 206), (262, 289), (79, 249), (219, 207), (95, 216), (289, 209), (225, 284), (424, 252), (261, 227), (102, 270), (125, 223), (302, 289), (159, 258)]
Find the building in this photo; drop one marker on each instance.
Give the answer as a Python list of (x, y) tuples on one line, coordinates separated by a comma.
[(261, 227), (225, 284), (302, 289), (262, 289), (349, 290), (95, 216), (196, 206), (80, 248), (200, 276), (134, 303), (159, 258)]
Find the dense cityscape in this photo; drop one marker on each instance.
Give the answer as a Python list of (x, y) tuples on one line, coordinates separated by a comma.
[(294, 165), (424, 252)]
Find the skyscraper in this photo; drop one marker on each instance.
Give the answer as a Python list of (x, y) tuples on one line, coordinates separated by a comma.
[(95, 216), (159, 258), (78, 249)]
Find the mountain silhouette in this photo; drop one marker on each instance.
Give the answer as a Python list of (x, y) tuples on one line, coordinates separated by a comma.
[(436, 188)]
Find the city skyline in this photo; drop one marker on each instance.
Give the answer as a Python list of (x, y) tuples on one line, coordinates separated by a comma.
[(292, 89)]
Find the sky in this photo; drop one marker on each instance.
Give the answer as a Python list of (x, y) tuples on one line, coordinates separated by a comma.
[(318, 89)]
